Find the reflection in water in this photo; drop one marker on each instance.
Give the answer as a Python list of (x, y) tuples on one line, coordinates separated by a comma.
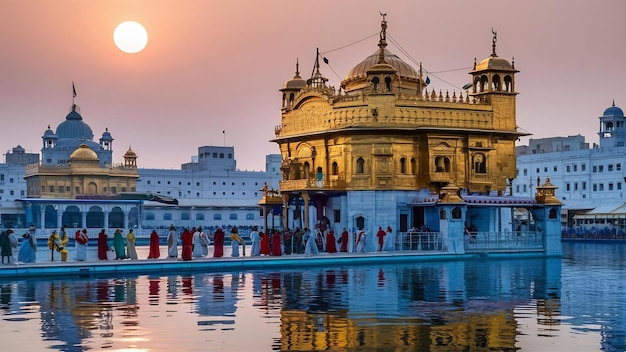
[(474, 305)]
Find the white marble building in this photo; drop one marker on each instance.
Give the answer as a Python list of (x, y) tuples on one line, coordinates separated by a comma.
[(590, 181)]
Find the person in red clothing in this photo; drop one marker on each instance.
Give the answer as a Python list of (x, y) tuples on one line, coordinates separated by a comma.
[(331, 247), (276, 249), (103, 246), (381, 238), (187, 239), (218, 243), (265, 243), (344, 240), (154, 251)]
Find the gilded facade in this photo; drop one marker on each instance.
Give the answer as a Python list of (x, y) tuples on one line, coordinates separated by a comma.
[(386, 129), (82, 176)]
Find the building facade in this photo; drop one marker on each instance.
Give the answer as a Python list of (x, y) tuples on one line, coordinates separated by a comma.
[(385, 149), (77, 183), (591, 181)]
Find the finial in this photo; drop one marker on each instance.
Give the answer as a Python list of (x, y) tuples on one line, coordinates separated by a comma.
[(382, 43), (494, 40), (613, 102), (474, 64), (513, 62), (297, 67)]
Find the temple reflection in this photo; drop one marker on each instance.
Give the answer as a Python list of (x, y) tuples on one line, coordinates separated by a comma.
[(439, 306)]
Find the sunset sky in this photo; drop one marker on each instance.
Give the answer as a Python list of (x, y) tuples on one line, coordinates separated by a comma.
[(213, 66)]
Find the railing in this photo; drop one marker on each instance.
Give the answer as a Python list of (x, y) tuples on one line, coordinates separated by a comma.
[(420, 241), (480, 241), (302, 184)]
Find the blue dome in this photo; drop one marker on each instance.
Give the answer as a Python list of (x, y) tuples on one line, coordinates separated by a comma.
[(74, 127), (613, 111), (106, 136), (49, 133)]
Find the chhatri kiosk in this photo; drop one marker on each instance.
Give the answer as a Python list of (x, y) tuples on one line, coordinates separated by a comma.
[(386, 149)]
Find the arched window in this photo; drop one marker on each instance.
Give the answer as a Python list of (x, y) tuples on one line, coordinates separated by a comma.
[(508, 84), (149, 216), (360, 165), (413, 167), (480, 165), (335, 168), (552, 214), (496, 83), (217, 216), (442, 214), (442, 164), (233, 216), (199, 216), (403, 165), (483, 83), (457, 213), (360, 222), (167, 216), (291, 96), (185, 216), (319, 175), (388, 84), (307, 168), (250, 216), (375, 82)]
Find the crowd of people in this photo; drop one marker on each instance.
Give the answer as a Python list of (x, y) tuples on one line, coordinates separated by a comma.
[(189, 243)]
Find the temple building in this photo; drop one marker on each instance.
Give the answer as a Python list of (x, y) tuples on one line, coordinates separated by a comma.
[(386, 149), (76, 183)]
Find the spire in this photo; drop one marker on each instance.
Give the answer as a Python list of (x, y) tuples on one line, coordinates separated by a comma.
[(297, 68), (493, 42), (382, 43)]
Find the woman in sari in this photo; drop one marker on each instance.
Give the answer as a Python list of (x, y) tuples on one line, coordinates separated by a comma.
[(103, 245), (265, 243), (28, 249), (81, 244), (218, 243), (130, 245), (154, 251), (235, 241), (119, 245)]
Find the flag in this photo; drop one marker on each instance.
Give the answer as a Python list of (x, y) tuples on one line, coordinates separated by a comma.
[(325, 59), (427, 80), (73, 89), (224, 131), (468, 86)]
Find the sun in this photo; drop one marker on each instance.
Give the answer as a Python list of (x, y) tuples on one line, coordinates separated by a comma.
[(130, 37)]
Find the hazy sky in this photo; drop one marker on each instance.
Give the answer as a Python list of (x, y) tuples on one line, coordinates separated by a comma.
[(211, 66)]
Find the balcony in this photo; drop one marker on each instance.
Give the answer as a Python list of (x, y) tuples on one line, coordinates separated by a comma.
[(335, 183)]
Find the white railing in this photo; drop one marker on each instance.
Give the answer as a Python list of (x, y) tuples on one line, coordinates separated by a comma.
[(503, 240)]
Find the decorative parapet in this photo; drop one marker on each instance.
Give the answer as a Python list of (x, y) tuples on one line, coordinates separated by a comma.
[(408, 113), (304, 184)]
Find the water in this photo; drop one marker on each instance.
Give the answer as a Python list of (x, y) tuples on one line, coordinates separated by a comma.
[(574, 303)]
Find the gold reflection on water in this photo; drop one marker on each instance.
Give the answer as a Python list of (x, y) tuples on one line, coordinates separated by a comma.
[(492, 330)]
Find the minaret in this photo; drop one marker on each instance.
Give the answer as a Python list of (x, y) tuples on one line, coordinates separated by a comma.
[(493, 74), (292, 87), (130, 158), (382, 75)]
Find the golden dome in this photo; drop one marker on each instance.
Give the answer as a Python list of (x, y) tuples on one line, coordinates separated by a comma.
[(494, 62), (83, 153), (130, 153), (358, 72)]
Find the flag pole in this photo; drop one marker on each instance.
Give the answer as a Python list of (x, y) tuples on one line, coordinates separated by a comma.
[(224, 133), (73, 94)]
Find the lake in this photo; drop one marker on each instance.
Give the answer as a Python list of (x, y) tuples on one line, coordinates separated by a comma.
[(573, 303)]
